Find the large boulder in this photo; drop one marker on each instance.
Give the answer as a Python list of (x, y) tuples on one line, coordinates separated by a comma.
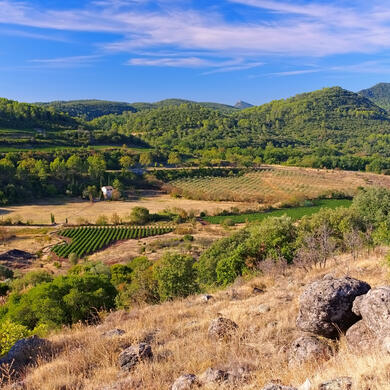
[(374, 308), (222, 328), (359, 337), (307, 348), (25, 352), (133, 355), (326, 305)]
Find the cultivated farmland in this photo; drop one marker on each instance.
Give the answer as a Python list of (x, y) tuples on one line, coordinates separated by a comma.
[(275, 185), (87, 240)]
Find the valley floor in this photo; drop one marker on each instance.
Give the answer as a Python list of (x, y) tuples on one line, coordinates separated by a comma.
[(177, 332)]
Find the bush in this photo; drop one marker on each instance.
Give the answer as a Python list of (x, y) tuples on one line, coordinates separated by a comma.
[(139, 215), (373, 206), (101, 220), (176, 276), (64, 301), (143, 286), (10, 333), (73, 258), (5, 273), (30, 279)]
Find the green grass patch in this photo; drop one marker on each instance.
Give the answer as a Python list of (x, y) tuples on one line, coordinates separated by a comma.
[(294, 212)]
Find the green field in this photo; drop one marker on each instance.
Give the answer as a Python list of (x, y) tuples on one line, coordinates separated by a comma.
[(294, 212), (87, 240)]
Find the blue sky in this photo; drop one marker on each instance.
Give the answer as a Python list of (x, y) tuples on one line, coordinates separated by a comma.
[(223, 50)]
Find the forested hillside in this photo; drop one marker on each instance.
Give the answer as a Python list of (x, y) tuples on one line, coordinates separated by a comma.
[(332, 117), (17, 115), (89, 109), (379, 94)]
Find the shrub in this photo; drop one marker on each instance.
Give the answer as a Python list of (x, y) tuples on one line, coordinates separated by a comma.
[(10, 333), (73, 258), (143, 286), (139, 215), (5, 273), (31, 279), (101, 220), (176, 276), (63, 301)]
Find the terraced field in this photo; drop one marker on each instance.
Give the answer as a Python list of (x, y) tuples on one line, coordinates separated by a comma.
[(272, 185), (86, 240)]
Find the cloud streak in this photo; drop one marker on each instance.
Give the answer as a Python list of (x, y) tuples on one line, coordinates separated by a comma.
[(297, 29)]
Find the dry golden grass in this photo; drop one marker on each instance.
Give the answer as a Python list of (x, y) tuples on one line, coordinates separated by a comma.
[(87, 360), (74, 209)]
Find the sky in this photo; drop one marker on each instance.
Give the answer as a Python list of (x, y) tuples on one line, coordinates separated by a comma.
[(203, 50)]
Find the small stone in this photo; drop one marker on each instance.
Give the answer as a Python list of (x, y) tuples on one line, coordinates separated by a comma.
[(133, 355), (257, 290), (213, 375), (114, 333), (342, 383), (185, 382), (263, 308), (205, 298), (222, 328), (275, 386), (307, 348)]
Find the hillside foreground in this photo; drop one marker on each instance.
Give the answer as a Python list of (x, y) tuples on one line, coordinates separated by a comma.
[(83, 357)]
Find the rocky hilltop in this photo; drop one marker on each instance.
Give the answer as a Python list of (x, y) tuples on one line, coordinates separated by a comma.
[(286, 330)]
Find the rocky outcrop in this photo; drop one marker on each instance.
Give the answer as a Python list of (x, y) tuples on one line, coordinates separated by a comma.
[(185, 382), (307, 348), (326, 305), (222, 328), (136, 353), (25, 352)]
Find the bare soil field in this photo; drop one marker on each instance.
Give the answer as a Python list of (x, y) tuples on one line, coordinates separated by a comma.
[(74, 209)]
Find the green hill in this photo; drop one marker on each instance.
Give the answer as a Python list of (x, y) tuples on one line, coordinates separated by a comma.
[(89, 109), (331, 116), (23, 115), (379, 94)]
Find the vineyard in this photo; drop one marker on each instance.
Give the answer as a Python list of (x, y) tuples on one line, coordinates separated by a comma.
[(87, 240), (274, 185)]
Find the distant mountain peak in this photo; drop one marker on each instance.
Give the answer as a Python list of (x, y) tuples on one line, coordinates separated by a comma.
[(241, 105)]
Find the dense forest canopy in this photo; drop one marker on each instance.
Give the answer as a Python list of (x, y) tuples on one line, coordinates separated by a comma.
[(331, 117), (23, 115), (89, 109)]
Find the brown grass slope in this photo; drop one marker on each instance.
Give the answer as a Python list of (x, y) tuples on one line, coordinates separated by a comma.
[(177, 332)]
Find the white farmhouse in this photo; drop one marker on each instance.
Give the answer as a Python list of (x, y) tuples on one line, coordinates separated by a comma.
[(107, 192)]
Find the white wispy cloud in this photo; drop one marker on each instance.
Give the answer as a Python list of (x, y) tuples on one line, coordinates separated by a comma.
[(66, 62), (298, 28)]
